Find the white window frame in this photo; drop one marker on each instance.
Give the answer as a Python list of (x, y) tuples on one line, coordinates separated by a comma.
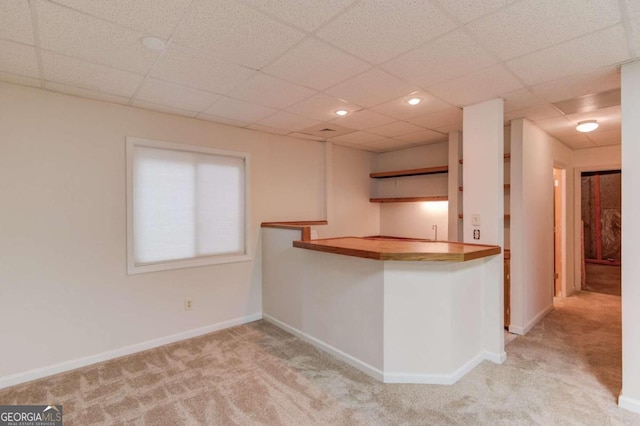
[(137, 268)]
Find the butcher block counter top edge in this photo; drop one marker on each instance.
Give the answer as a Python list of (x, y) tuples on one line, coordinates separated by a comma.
[(394, 249)]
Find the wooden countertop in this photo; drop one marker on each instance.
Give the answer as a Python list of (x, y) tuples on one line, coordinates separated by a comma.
[(303, 226), (395, 249)]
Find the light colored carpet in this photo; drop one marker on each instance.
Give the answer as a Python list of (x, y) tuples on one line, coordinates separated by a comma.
[(566, 371)]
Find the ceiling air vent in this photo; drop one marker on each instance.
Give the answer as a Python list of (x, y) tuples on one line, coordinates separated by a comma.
[(323, 132)]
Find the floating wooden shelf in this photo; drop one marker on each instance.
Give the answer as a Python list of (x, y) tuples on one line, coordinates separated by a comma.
[(506, 186), (409, 199), (410, 172), (506, 216), (506, 156)]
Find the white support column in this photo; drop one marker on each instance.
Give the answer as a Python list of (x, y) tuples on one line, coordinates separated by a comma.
[(455, 181), (483, 202), (328, 181), (630, 395)]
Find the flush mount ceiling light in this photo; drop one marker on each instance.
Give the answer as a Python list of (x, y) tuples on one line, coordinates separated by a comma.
[(342, 112), (587, 126), (414, 101), (153, 43)]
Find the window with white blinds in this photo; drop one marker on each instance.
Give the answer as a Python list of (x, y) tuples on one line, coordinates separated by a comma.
[(186, 206)]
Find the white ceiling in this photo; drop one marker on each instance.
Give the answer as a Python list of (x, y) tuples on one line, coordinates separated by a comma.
[(285, 66)]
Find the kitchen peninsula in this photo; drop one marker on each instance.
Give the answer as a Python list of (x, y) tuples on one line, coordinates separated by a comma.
[(401, 310)]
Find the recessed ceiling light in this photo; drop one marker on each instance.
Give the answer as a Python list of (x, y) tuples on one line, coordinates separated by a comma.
[(153, 43), (414, 101), (587, 126), (342, 112)]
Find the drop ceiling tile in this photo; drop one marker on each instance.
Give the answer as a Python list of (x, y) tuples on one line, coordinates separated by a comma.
[(608, 118), (267, 129), (434, 120), (560, 127), (633, 8), (16, 21), (306, 137), (469, 10), (528, 26), (588, 103), (288, 121), (266, 90), (234, 32), (573, 57), (19, 79), (370, 88), (596, 81), (395, 129), (452, 55), (385, 144), (363, 119), (449, 128), (322, 107), (174, 95), (195, 69), (307, 15), (151, 17), (236, 109), (578, 142), (163, 108), (315, 64), (521, 99), (540, 112), (401, 110), (423, 137), (18, 59), (611, 137), (489, 83), (378, 30), (634, 42), (84, 93), (356, 138), (345, 144), (74, 72), (222, 120), (66, 31)]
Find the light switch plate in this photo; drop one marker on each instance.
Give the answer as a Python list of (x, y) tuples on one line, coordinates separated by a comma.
[(475, 220)]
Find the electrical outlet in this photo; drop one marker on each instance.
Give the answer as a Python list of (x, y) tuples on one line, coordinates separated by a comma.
[(187, 304), (476, 234)]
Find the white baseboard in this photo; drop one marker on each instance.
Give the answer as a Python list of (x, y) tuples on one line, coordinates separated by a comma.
[(630, 404), (433, 379), (352, 361), (514, 329), (39, 373), (436, 379), (524, 330), (495, 358), (537, 318)]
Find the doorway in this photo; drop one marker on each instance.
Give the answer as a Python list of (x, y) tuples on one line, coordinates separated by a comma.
[(559, 231), (602, 230)]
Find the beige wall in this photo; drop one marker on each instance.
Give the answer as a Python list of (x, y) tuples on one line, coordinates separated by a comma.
[(413, 219), (64, 291), (350, 212), (533, 156)]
